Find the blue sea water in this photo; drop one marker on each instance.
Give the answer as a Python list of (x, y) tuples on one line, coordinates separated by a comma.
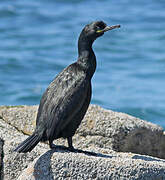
[(39, 38)]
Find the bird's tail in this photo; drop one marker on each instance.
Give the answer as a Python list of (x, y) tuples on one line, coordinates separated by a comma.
[(28, 144)]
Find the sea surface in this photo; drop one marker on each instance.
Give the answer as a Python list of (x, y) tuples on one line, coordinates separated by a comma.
[(39, 38)]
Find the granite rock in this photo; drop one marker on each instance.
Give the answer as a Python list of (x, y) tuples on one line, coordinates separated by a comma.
[(102, 131), (67, 165), (100, 128)]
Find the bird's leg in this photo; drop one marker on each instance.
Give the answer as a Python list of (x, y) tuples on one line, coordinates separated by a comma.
[(70, 143), (72, 149), (51, 145)]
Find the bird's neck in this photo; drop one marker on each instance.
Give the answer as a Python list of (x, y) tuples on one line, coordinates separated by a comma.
[(86, 56)]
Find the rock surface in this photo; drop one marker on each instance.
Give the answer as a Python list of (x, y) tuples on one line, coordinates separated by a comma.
[(113, 165), (101, 128), (102, 131)]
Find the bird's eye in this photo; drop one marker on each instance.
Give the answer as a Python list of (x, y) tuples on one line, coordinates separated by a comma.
[(97, 28), (100, 25)]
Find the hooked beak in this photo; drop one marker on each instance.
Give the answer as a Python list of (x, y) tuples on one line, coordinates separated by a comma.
[(107, 28)]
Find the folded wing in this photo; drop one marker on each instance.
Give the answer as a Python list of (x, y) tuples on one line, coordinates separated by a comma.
[(63, 99)]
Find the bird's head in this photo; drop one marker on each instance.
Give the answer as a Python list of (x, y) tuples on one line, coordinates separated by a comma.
[(96, 29)]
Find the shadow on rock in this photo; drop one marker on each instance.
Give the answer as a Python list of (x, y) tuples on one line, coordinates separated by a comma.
[(1, 158), (147, 158), (64, 149), (42, 167), (46, 165)]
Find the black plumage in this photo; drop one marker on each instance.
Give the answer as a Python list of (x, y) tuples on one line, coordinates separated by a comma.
[(66, 100)]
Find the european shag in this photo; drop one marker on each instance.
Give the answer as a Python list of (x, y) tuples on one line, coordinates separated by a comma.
[(66, 100)]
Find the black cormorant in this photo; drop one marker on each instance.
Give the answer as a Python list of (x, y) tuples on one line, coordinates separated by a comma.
[(66, 100)]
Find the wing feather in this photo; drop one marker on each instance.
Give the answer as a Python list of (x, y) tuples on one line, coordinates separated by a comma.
[(63, 99)]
